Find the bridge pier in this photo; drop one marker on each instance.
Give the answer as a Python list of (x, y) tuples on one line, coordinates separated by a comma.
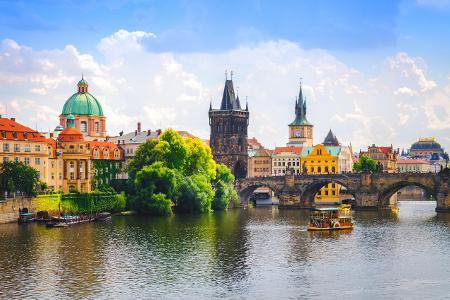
[(443, 197)]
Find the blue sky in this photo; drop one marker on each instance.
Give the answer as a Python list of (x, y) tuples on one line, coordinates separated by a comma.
[(363, 35)]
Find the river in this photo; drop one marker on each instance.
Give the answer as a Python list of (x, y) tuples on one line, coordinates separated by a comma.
[(260, 253)]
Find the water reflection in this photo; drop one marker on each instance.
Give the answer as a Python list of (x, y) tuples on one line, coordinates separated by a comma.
[(255, 253)]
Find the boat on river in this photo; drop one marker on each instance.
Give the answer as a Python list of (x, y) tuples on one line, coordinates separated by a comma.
[(67, 220), (330, 218), (25, 216)]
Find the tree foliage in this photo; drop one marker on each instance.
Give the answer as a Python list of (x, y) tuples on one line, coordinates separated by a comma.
[(18, 177), (365, 163), (179, 172)]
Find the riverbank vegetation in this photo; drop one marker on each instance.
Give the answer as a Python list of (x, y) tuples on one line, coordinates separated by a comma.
[(80, 203), (178, 174)]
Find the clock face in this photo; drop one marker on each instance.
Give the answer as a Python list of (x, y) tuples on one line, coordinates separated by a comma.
[(297, 134)]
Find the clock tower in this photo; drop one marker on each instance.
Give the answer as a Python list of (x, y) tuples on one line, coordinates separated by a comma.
[(300, 130)]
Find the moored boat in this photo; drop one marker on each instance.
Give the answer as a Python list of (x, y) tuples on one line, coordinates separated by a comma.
[(25, 216), (330, 219)]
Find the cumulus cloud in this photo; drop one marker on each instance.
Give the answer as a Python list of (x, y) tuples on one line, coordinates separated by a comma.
[(133, 84)]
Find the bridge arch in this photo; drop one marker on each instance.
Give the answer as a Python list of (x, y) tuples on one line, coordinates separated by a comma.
[(245, 192), (386, 193), (313, 188)]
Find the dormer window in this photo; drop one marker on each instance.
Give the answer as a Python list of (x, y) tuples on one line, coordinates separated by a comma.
[(25, 135), (15, 135), (4, 134)]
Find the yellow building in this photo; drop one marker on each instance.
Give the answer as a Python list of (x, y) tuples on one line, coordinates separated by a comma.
[(322, 159), (21, 143)]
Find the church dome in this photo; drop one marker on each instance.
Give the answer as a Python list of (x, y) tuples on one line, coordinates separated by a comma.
[(82, 103), (429, 145)]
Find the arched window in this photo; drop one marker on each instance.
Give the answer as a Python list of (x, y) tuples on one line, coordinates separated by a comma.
[(72, 170), (326, 169), (83, 126), (96, 153), (116, 154), (333, 169), (319, 170), (106, 153)]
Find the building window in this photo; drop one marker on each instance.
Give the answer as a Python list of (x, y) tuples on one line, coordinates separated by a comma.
[(39, 174), (16, 148), (333, 169), (319, 169), (16, 159), (116, 154), (97, 127), (72, 170), (27, 160), (37, 161), (83, 126), (37, 148), (5, 159), (15, 135), (53, 176), (5, 147), (4, 134), (27, 148), (96, 153), (60, 176)]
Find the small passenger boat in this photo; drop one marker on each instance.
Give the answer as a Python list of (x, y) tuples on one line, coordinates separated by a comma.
[(25, 216), (330, 219)]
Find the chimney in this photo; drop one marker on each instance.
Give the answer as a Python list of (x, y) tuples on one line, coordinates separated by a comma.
[(139, 127), (13, 119), (149, 131)]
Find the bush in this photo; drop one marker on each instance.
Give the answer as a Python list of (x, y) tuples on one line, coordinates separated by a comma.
[(194, 195), (155, 205), (119, 203)]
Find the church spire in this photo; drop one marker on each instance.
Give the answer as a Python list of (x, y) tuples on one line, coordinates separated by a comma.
[(229, 100), (300, 108)]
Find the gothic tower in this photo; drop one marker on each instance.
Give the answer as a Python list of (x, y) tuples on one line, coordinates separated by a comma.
[(228, 139), (300, 130)]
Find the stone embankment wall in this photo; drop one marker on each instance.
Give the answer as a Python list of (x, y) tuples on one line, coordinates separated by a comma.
[(9, 209)]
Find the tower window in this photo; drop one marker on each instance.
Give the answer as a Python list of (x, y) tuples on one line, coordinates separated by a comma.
[(97, 127)]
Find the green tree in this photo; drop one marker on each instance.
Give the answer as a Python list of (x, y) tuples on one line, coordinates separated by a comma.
[(224, 190), (365, 163), (181, 170), (19, 177), (150, 181), (194, 195)]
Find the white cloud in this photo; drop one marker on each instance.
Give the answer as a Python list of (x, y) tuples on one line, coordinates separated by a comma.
[(166, 89)]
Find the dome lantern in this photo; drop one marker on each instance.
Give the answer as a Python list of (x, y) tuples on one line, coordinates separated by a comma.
[(82, 85)]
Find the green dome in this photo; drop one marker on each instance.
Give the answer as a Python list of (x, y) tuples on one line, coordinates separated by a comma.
[(82, 81), (82, 104)]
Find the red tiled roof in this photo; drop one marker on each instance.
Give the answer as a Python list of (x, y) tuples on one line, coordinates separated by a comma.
[(254, 142), (70, 135), (9, 127), (101, 146), (294, 149)]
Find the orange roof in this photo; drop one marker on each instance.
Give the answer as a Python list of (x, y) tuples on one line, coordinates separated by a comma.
[(412, 162), (294, 149), (70, 135), (102, 145), (11, 130), (93, 144), (254, 143)]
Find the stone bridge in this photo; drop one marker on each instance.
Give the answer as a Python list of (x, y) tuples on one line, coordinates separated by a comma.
[(371, 190)]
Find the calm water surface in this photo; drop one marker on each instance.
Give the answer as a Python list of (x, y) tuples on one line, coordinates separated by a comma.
[(261, 253)]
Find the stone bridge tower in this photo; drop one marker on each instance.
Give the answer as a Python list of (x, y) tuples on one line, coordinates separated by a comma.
[(228, 126)]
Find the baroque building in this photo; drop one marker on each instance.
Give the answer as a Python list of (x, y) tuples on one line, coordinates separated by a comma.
[(87, 111), (300, 130), (384, 156), (228, 138)]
